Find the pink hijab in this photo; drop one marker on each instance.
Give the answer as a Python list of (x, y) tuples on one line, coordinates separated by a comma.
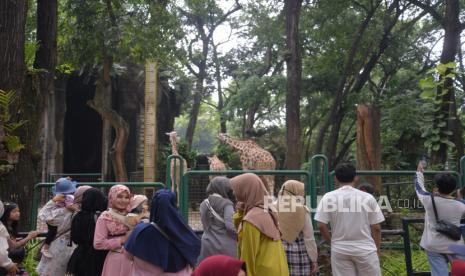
[(114, 192), (250, 190)]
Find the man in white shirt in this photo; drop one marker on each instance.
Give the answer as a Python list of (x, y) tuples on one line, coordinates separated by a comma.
[(355, 219), (449, 209)]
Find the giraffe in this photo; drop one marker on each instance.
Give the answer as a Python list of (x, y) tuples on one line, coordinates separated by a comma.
[(253, 157), (175, 163), (215, 165)]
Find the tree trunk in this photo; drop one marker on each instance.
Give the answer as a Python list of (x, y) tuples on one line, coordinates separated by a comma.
[(46, 57), (294, 76), (18, 185), (194, 114), (198, 93), (12, 37), (102, 104), (220, 106), (369, 142), (452, 30), (331, 145)]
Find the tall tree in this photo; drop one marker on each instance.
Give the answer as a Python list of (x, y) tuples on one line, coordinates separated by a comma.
[(446, 118), (294, 76), (12, 35), (205, 16), (46, 59), (17, 185)]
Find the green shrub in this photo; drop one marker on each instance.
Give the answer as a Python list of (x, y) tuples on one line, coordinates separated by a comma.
[(30, 264), (393, 262)]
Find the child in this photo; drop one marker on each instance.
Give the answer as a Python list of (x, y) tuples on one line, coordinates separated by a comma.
[(6, 265), (139, 210), (63, 196)]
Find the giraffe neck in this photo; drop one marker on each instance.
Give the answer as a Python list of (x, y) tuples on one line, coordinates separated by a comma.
[(239, 145), (174, 148)]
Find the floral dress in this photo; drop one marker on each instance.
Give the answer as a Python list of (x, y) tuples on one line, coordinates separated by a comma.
[(108, 232), (60, 247)]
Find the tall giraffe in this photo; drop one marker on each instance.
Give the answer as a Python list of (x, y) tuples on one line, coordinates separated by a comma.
[(253, 157), (215, 165), (176, 163)]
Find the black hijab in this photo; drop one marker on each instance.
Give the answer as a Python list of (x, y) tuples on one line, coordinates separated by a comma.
[(83, 226)]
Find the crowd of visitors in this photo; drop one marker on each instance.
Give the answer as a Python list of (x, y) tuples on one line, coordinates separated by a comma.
[(124, 234)]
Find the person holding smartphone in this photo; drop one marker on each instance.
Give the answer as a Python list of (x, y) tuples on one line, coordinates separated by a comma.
[(449, 209)]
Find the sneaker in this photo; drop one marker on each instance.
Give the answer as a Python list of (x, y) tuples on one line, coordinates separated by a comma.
[(46, 253)]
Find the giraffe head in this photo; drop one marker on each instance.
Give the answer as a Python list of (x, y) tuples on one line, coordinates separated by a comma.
[(173, 137), (212, 158), (224, 137)]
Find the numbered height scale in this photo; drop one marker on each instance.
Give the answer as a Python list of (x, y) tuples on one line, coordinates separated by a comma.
[(150, 121)]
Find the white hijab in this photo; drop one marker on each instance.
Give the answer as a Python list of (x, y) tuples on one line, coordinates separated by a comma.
[(3, 231)]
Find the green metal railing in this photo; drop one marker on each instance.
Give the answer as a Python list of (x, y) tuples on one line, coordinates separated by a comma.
[(462, 170), (39, 186), (457, 175), (184, 197), (81, 177)]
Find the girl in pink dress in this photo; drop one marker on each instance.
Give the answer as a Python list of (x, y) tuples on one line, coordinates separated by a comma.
[(110, 232)]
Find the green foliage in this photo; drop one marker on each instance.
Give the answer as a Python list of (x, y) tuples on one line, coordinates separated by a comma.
[(30, 49), (434, 88), (30, 264), (228, 156), (12, 142), (393, 262)]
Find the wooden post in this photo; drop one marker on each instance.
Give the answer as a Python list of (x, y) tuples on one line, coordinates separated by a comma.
[(150, 122), (369, 142)]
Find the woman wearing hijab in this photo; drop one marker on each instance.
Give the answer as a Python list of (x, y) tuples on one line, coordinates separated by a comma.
[(220, 265), (216, 212), (7, 267), (166, 245), (296, 228), (110, 232), (259, 239), (79, 194), (87, 261)]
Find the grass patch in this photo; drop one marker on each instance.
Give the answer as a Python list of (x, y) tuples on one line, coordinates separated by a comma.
[(393, 262)]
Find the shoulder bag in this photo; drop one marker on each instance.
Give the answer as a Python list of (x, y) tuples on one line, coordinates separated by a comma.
[(444, 227)]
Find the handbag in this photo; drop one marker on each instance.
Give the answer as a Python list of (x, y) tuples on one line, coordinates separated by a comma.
[(446, 228)]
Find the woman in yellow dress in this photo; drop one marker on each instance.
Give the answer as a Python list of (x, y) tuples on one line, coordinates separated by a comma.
[(259, 239)]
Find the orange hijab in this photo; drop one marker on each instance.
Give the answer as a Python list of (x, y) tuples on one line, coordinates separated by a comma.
[(249, 189)]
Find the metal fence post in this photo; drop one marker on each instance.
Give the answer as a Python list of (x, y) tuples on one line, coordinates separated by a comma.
[(462, 171), (407, 251), (35, 206), (184, 197)]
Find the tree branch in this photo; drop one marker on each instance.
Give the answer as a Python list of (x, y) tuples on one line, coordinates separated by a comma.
[(430, 9), (220, 21)]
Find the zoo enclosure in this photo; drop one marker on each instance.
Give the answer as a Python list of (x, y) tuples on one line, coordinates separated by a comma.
[(318, 180)]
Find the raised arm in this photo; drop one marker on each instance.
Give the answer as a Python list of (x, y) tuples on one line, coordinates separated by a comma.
[(420, 183)]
